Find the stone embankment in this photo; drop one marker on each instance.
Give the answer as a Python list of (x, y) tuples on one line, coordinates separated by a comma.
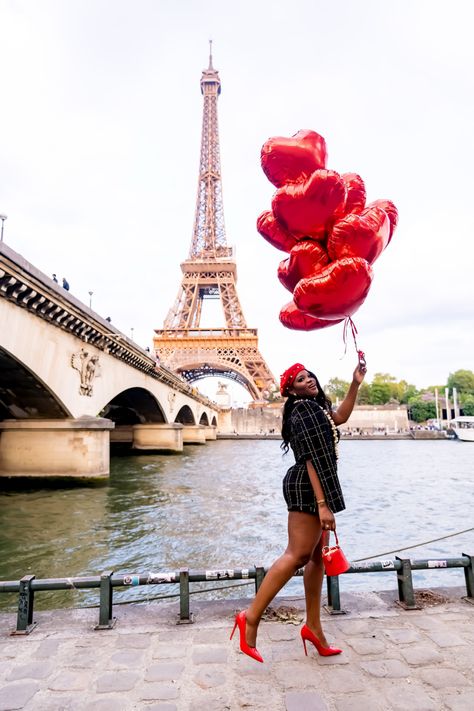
[(421, 660)]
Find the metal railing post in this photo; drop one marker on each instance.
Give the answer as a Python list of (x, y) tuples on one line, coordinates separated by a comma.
[(334, 598), (185, 616), (259, 576), (469, 578), (106, 620), (406, 593), (26, 599)]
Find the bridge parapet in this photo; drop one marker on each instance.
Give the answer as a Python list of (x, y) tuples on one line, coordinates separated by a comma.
[(29, 288)]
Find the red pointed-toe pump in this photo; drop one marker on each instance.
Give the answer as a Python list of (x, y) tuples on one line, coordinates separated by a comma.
[(308, 636), (241, 623)]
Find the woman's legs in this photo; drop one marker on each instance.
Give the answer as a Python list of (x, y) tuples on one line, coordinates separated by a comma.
[(303, 531), (313, 583)]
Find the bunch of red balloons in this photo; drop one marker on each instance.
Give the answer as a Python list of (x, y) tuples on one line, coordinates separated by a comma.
[(321, 219)]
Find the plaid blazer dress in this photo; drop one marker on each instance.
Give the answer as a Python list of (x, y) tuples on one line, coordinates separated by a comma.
[(312, 438)]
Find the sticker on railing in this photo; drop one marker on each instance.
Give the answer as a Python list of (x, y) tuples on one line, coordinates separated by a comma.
[(161, 578), (245, 572), (219, 574), (387, 564), (437, 564), (131, 580)]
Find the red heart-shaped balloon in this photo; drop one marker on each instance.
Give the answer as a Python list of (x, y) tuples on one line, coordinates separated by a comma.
[(355, 200), (365, 235), (274, 232), (337, 291), (305, 208), (287, 160), (391, 210), (306, 259), (292, 317)]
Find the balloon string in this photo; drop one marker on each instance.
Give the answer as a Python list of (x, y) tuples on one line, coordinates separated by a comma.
[(349, 322)]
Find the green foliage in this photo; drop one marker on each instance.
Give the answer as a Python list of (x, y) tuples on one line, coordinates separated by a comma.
[(363, 397), (462, 380), (467, 405), (421, 410), (336, 388), (380, 393)]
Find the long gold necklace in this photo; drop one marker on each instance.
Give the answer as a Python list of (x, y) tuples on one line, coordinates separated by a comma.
[(334, 433)]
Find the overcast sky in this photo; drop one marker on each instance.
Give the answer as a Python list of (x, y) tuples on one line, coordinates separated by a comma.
[(100, 121)]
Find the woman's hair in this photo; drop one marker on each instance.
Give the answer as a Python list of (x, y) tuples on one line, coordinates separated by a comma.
[(321, 398)]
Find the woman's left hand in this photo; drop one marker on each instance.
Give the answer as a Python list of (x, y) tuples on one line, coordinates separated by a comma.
[(359, 373)]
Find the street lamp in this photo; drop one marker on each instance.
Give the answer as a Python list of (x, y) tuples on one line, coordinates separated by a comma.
[(2, 218), (90, 299), (131, 330)]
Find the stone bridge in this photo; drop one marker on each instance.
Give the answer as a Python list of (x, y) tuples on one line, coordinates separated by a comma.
[(71, 383)]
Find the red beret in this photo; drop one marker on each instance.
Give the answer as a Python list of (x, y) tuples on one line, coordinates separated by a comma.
[(288, 377)]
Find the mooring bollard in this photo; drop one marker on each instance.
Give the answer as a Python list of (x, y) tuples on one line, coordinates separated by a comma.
[(406, 593), (469, 578), (334, 599), (259, 576), (185, 616)]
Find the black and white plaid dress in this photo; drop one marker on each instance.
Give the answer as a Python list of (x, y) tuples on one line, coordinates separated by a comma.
[(312, 438)]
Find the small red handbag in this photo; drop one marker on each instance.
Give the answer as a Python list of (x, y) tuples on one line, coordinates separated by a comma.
[(335, 562)]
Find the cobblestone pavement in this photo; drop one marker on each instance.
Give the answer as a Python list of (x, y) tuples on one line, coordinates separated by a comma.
[(421, 660)]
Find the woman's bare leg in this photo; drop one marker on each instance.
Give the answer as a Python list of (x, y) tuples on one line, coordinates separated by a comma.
[(303, 531), (313, 583)]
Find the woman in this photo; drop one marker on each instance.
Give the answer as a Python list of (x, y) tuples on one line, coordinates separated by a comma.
[(313, 495)]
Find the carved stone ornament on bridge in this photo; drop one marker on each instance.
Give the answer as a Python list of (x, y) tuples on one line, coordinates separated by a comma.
[(171, 399), (88, 367)]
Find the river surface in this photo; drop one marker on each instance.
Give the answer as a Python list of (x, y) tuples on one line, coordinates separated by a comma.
[(220, 506)]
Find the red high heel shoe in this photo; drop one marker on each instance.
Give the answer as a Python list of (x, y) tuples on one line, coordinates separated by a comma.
[(241, 623), (307, 635)]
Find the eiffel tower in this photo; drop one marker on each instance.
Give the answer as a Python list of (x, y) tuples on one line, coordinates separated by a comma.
[(210, 271)]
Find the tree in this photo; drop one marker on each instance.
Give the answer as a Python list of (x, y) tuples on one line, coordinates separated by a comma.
[(363, 397), (462, 380), (467, 404), (336, 388), (405, 391), (380, 393), (421, 410)]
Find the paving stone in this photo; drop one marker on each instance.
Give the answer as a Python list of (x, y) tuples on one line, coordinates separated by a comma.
[(304, 701), (126, 658), (279, 632), (69, 681), (403, 635), (446, 639), (108, 704), (366, 645), (210, 655), (162, 707), (360, 702), (213, 635), (116, 681), (209, 704), (84, 659), (209, 678), (355, 627), (298, 674), (428, 624), (343, 681), (420, 654), (463, 701), (386, 668), (410, 698), (285, 651), (47, 648), (440, 678), (31, 670), (158, 692), (168, 651), (52, 702), (167, 671), (16, 696), (134, 641)]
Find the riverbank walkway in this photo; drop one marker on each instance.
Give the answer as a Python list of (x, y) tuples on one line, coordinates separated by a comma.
[(420, 660)]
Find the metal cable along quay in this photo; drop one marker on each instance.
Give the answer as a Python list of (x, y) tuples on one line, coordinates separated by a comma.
[(28, 585)]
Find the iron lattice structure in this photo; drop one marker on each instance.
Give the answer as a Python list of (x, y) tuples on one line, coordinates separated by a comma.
[(211, 272)]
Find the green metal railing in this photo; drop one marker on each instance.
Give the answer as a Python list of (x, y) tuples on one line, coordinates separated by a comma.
[(403, 567)]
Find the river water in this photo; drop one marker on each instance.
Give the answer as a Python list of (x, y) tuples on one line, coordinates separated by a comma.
[(220, 506)]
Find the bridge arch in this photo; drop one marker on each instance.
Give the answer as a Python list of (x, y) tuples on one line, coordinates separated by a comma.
[(231, 370), (23, 395), (185, 416), (134, 406), (204, 420)]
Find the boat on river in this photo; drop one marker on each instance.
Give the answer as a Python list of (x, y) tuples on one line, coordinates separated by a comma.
[(464, 427)]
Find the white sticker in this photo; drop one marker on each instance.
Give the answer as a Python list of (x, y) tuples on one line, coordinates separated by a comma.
[(388, 564), (161, 578), (245, 572), (219, 574), (437, 564)]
